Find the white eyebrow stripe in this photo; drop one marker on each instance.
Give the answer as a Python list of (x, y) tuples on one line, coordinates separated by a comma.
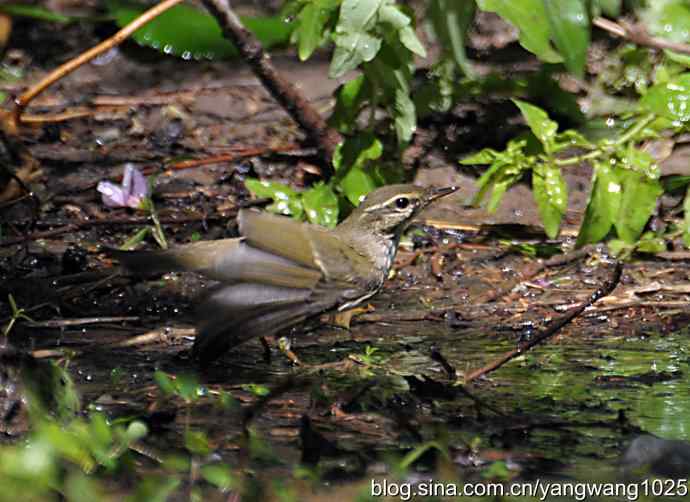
[(390, 201)]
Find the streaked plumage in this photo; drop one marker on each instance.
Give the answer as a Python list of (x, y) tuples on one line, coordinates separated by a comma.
[(281, 272)]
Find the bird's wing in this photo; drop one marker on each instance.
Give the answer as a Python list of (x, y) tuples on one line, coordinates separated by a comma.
[(309, 245), (235, 313), (194, 257), (225, 260)]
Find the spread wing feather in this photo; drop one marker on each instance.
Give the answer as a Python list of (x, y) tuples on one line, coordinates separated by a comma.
[(235, 313)]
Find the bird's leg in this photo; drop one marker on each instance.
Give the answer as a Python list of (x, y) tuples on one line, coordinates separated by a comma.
[(343, 319)]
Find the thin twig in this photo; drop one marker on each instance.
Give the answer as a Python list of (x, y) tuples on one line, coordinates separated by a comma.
[(554, 328), (64, 323), (638, 35), (161, 335)]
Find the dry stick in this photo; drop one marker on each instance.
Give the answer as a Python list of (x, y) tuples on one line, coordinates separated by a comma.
[(66, 323), (605, 290), (22, 101), (289, 97), (638, 35)]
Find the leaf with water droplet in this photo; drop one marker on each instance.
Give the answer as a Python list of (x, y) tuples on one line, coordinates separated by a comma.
[(638, 202), (668, 19), (540, 124), (184, 30), (285, 200), (603, 205), (321, 205), (669, 99), (551, 195)]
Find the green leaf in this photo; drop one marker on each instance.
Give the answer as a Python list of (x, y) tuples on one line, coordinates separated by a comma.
[(351, 50), (136, 430), (189, 33), (219, 475), (540, 124), (408, 37), (35, 12), (651, 244), (668, 19), (499, 190), (528, 16), (638, 202), (197, 443), (356, 151), (670, 99), (676, 57), (356, 184), (165, 383), (256, 389), (506, 169), (350, 98), (603, 205), (286, 200), (390, 14), (309, 31), (485, 156), (391, 73), (405, 116), (321, 205), (188, 387), (551, 195), (450, 20), (569, 22), (356, 15), (686, 219), (353, 43), (312, 21), (437, 93), (618, 248), (640, 161)]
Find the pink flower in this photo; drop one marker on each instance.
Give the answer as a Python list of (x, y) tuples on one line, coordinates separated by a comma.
[(133, 190)]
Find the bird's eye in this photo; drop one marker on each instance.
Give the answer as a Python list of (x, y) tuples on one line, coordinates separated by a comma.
[(402, 202)]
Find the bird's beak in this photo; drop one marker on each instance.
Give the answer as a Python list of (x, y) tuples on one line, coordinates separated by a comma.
[(437, 193)]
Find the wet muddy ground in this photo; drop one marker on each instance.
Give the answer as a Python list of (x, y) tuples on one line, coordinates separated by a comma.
[(360, 397)]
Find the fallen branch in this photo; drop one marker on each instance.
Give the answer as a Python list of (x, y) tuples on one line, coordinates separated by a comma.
[(554, 328)]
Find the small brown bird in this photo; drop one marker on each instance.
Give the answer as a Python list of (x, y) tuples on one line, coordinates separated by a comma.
[(281, 272)]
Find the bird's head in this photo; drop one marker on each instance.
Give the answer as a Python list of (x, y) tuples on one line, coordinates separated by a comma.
[(387, 210)]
